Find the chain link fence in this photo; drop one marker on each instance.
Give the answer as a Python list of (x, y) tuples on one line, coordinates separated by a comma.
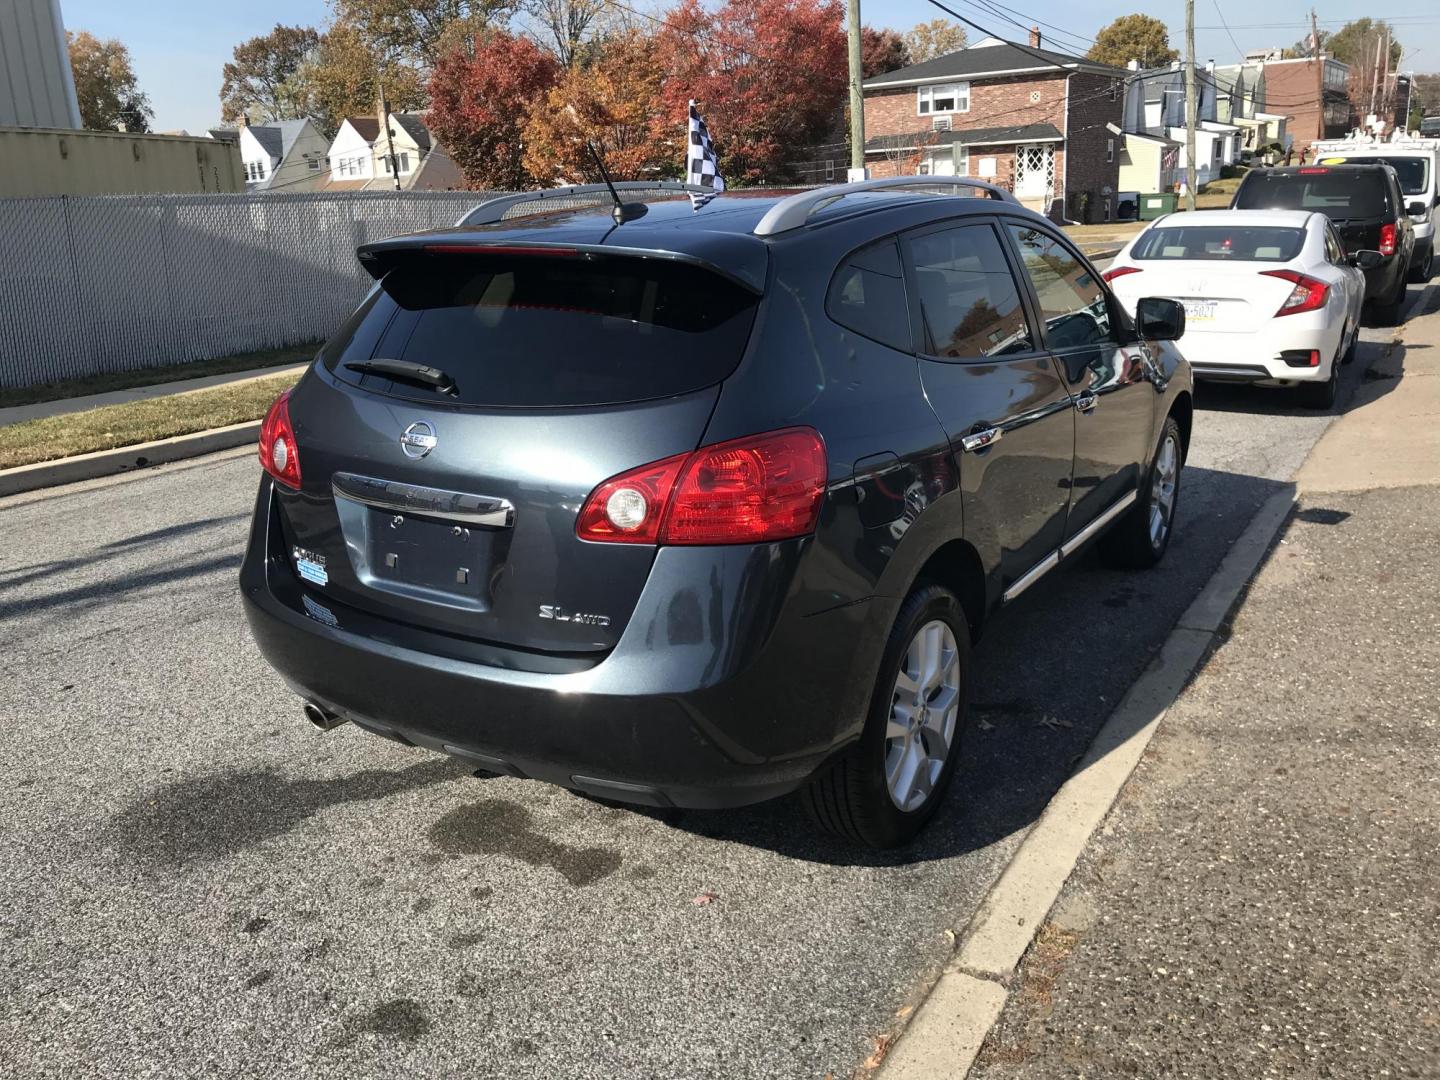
[(108, 283)]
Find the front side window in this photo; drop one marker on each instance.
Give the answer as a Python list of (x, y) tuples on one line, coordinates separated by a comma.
[(1072, 301), (867, 295), (969, 300), (944, 98)]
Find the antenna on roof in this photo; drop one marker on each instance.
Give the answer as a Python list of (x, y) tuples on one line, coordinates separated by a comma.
[(622, 211)]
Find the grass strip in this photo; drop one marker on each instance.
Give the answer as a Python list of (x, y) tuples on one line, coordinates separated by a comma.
[(151, 376), (110, 426)]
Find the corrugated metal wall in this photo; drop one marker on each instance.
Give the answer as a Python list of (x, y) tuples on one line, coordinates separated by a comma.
[(110, 283), (36, 87)]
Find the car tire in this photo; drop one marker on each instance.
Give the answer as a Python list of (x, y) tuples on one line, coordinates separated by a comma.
[(1388, 313), (1322, 395), (884, 788), (1420, 272), (1140, 538)]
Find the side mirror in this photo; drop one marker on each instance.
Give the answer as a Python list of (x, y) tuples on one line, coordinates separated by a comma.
[(1159, 319), (1416, 208), (1365, 260)]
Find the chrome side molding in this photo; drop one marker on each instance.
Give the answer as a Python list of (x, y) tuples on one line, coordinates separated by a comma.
[(1069, 547)]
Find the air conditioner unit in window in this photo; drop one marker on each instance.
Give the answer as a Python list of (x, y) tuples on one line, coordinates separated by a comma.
[(941, 123)]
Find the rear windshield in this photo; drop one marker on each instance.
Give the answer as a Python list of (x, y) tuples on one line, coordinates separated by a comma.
[(1220, 244), (1336, 193), (527, 330), (1414, 172)]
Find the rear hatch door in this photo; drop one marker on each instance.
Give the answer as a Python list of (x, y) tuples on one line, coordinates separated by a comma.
[(1356, 200), (453, 507)]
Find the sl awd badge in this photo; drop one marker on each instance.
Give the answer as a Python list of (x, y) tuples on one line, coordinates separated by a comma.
[(418, 439), (559, 614)]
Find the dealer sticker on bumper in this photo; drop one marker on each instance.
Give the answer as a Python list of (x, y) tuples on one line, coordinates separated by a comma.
[(310, 566)]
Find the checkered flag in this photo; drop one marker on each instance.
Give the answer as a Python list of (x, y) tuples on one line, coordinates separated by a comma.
[(701, 167)]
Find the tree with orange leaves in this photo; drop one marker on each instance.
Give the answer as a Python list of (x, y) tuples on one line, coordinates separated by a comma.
[(614, 104)]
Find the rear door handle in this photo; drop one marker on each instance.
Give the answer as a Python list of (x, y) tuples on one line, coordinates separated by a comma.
[(1087, 401), (979, 440)]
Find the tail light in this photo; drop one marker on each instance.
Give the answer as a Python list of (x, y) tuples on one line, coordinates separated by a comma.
[(746, 491), (1119, 272), (279, 453), (1308, 294), (1387, 239)]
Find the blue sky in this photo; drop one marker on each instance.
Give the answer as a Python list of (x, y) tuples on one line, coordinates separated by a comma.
[(179, 47)]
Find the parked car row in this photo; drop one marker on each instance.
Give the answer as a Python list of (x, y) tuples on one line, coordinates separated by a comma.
[(706, 507), (1275, 288)]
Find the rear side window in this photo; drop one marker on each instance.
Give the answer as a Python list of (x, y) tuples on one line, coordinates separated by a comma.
[(867, 295), (1217, 243), (968, 297), (519, 330), (1332, 192)]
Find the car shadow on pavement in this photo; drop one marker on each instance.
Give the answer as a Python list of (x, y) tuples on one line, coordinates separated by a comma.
[(1045, 677)]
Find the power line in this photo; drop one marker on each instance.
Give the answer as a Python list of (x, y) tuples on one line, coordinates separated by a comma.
[(1238, 51)]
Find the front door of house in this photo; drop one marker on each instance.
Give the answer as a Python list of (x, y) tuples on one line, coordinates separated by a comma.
[(1034, 172)]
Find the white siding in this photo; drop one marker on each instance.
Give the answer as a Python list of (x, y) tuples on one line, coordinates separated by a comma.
[(36, 87)]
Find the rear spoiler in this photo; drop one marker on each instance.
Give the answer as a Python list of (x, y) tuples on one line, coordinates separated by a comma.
[(747, 261)]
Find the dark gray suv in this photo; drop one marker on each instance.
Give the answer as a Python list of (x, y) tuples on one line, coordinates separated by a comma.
[(706, 506)]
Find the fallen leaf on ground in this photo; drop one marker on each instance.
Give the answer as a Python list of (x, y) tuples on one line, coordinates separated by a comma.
[(985, 725), (1052, 722), (905, 1011), (882, 1047), (705, 898)]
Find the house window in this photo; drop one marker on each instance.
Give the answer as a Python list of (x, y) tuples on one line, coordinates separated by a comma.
[(829, 168), (943, 98), (1152, 114), (1109, 150), (1115, 90), (314, 164)]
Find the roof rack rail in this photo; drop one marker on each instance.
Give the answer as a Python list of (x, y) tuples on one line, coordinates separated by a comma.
[(492, 210), (794, 212)]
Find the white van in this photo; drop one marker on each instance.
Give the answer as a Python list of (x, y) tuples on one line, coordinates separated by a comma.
[(1416, 161)]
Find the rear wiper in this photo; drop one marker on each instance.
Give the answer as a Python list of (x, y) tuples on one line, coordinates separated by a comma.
[(406, 371)]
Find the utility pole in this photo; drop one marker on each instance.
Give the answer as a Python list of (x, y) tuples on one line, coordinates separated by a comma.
[(1386, 109), (1190, 104), (1319, 76), (1375, 77), (389, 140), (857, 97)]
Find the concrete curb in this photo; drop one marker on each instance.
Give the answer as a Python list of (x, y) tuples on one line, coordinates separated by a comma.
[(946, 1033), (125, 458)]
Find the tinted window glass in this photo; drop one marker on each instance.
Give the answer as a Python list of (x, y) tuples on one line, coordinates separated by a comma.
[(1414, 172), (1219, 243), (520, 330), (1072, 301), (867, 295), (969, 300), (1335, 193)]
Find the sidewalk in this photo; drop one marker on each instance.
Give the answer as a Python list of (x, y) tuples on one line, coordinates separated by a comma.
[(17, 413), (1262, 900)]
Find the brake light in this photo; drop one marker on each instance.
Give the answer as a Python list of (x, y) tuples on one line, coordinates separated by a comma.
[(279, 453), (1387, 239), (1308, 294), (1312, 171), (1119, 272), (745, 491)]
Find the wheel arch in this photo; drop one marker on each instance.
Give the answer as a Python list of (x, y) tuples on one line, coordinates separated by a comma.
[(956, 565)]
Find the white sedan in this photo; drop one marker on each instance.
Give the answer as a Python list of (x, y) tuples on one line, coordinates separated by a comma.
[(1270, 295)]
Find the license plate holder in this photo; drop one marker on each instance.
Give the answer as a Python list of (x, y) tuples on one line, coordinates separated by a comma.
[(417, 554), (1200, 310)]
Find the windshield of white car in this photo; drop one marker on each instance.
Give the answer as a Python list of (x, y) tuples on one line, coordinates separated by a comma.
[(1220, 243)]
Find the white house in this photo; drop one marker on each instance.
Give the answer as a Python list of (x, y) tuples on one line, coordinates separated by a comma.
[(361, 156), (288, 155)]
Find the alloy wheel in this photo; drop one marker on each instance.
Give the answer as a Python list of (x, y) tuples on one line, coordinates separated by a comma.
[(924, 711), (1163, 482)]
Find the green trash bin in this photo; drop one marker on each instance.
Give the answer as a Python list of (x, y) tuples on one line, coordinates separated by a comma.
[(1154, 206)]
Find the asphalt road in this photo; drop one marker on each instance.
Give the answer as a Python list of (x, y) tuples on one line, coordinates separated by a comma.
[(198, 883)]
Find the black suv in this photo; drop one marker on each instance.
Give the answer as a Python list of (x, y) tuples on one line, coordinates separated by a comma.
[(706, 506), (1367, 208)]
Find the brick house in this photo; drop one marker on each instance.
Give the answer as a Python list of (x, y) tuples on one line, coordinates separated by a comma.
[(1041, 123), (1290, 88)]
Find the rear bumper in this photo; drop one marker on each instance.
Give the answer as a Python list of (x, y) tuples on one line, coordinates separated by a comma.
[(714, 696), (1261, 357)]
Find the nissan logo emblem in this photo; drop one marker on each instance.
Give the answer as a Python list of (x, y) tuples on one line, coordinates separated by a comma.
[(418, 439)]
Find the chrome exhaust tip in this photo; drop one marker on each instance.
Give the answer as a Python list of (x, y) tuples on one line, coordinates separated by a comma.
[(321, 717)]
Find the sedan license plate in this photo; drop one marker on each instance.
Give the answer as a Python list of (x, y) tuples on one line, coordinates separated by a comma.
[(1200, 309)]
